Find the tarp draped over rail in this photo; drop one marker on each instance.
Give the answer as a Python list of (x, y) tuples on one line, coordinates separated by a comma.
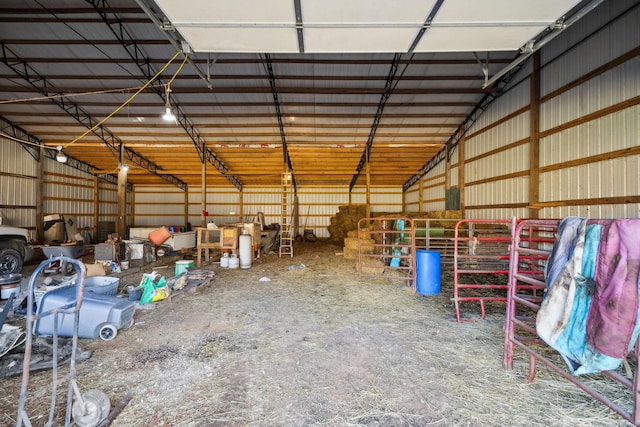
[(589, 313)]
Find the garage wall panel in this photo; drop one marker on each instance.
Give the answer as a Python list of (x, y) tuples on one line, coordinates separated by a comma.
[(17, 185)]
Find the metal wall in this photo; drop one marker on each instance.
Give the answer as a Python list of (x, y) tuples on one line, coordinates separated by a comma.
[(66, 191), (585, 128), (17, 185)]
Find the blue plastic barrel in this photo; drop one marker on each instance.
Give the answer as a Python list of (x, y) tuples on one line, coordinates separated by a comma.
[(427, 272)]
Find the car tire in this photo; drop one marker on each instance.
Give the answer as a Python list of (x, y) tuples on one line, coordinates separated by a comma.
[(10, 261)]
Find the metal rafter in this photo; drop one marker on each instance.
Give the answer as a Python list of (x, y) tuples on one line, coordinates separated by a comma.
[(276, 102), (135, 53), (388, 88), (29, 140), (426, 25), (39, 83)]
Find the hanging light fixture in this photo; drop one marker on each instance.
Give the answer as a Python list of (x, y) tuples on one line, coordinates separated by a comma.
[(60, 156), (168, 113)]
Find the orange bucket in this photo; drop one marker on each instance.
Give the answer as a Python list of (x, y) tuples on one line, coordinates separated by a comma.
[(159, 236)]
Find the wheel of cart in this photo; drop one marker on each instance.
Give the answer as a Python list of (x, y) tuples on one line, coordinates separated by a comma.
[(68, 251), (88, 409), (108, 332)]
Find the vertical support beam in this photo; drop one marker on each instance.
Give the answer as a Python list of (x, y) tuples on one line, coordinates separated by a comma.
[(186, 207), (96, 206), (203, 195), (40, 197), (447, 168), (121, 225), (421, 196), (241, 206), (461, 166), (368, 188), (534, 138), (132, 203)]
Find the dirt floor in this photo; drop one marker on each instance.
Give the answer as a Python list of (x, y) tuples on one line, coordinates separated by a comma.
[(313, 346)]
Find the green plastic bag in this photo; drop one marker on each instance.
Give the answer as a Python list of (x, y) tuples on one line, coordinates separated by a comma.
[(152, 285)]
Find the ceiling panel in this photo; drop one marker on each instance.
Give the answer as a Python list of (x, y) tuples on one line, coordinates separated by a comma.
[(241, 39), (360, 25), (476, 39), (358, 39), (192, 12)]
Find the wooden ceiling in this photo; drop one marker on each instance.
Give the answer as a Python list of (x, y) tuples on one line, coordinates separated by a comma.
[(93, 77)]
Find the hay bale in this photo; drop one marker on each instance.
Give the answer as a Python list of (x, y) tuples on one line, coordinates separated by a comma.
[(374, 267), (350, 253), (345, 220)]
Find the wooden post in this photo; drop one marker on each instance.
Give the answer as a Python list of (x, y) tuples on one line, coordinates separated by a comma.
[(461, 166), (39, 234), (121, 225), (241, 206), (96, 206), (132, 202), (203, 195), (420, 195), (186, 206), (534, 139), (368, 211)]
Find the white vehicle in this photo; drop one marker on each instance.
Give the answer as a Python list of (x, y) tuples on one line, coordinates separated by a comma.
[(15, 249)]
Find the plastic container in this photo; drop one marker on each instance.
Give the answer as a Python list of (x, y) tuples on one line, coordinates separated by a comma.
[(10, 284), (102, 285), (234, 262), (100, 315), (182, 266), (427, 272), (159, 236), (224, 260), (246, 254)]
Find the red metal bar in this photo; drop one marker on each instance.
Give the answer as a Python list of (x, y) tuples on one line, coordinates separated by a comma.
[(469, 243)]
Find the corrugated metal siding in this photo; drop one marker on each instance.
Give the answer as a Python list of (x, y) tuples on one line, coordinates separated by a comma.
[(159, 205), (604, 46), (433, 192), (69, 192), (17, 193)]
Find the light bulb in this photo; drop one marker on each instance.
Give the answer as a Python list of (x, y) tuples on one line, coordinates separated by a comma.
[(168, 114), (60, 156)]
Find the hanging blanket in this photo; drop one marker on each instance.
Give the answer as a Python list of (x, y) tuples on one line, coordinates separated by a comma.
[(614, 309), (590, 307)]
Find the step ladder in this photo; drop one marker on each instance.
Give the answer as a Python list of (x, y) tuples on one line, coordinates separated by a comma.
[(286, 230)]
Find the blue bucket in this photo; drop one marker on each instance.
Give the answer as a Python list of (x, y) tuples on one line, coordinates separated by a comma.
[(428, 272)]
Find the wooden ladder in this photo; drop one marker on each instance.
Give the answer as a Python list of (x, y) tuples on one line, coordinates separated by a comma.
[(286, 231)]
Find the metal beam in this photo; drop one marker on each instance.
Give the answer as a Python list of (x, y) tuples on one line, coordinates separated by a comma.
[(135, 53), (299, 25), (174, 38), (426, 25), (276, 102), (18, 133), (388, 88), (40, 84)]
